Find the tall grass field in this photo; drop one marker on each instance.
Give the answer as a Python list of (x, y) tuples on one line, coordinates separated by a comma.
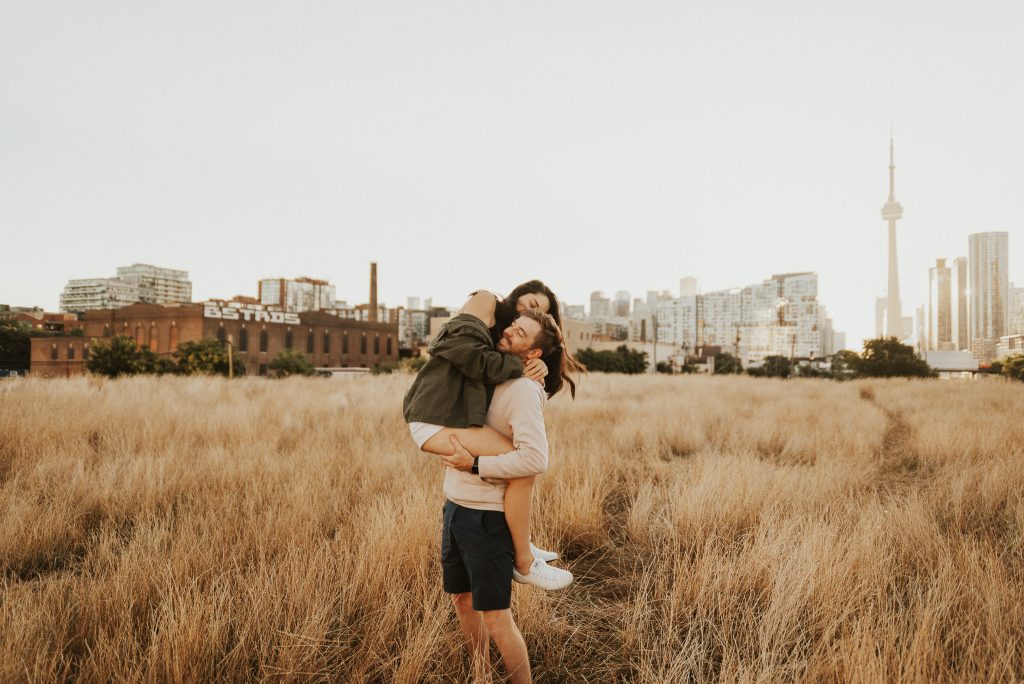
[(720, 529)]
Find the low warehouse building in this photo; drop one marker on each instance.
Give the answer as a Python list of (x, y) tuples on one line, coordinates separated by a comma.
[(257, 334)]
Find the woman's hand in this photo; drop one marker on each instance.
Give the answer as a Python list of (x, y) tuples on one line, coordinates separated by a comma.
[(535, 369)]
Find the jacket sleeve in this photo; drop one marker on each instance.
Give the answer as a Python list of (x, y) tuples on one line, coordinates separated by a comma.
[(529, 438), (470, 351)]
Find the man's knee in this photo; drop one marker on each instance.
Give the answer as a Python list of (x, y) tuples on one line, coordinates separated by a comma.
[(497, 620), (463, 602)]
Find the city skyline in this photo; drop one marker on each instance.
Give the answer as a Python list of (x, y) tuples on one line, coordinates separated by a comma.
[(614, 147), (688, 285)]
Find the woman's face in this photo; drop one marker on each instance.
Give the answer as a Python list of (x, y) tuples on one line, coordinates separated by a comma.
[(533, 300)]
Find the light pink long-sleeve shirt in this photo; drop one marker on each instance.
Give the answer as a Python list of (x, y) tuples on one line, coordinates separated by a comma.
[(516, 411)]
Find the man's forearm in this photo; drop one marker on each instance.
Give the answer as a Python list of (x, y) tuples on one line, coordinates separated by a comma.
[(525, 461)]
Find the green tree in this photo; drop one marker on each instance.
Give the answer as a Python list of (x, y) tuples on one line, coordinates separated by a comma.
[(665, 367), (887, 357), (115, 358), (634, 361), (622, 360), (15, 345), (727, 364), (812, 372), (773, 367), (290, 362), (846, 362), (689, 368), (151, 362), (385, 368), (414, 363), (1013, 367), (206, 357)]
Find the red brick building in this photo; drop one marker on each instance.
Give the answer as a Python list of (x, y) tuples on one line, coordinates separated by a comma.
[(45, 321), (256, 333)]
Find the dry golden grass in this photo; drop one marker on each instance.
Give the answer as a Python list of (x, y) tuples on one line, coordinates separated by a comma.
[(720, 529)]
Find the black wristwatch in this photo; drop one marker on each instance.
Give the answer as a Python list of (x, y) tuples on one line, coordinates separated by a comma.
[(476, 466)]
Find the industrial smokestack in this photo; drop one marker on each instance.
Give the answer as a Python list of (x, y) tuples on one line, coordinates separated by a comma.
[(373, 291)]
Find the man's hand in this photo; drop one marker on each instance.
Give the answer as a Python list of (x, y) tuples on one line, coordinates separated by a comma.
[(535, 369), (461, 459)]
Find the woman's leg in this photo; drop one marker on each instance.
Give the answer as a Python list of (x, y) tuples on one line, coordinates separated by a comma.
[(479, 441), (518, 503), (486, 441)]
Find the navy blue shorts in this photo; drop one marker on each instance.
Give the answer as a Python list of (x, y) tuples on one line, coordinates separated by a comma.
[(477, 556)]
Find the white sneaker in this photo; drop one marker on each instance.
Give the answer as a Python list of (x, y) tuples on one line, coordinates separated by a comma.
[(546, 556), (544, 576)]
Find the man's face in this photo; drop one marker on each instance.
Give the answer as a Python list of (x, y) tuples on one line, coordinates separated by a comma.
[(518, 338)]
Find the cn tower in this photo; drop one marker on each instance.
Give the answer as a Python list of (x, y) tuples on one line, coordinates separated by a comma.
[(892, 211)]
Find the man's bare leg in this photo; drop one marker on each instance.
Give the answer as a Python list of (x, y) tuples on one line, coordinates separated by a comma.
[(486, 441), (511, 646), (473, 628)]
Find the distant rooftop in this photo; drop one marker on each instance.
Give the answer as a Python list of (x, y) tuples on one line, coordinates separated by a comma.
[(952, 361)]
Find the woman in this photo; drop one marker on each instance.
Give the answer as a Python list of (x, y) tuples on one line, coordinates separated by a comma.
[(452, 391)]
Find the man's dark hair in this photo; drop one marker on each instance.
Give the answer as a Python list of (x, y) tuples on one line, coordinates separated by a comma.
[(554, 354)]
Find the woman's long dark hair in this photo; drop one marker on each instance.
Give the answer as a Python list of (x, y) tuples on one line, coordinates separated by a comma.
[(505, 311), (554, 354)]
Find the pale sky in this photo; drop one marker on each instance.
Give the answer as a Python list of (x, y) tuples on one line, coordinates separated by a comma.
[(595, 145)]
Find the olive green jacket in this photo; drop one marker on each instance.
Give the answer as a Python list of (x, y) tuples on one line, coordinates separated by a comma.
[(455, 386)]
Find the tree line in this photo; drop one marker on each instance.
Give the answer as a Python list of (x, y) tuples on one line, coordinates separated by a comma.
[(121, 356), (883, 357)]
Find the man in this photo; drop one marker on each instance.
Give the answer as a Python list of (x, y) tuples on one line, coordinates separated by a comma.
[(476, 547)]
